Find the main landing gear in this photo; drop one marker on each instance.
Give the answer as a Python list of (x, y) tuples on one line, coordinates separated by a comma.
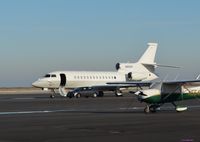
[(118, 93), (52, 96), (151, 108)]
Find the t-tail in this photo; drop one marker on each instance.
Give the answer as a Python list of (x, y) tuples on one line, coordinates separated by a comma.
[(148, 57), (144, 68)]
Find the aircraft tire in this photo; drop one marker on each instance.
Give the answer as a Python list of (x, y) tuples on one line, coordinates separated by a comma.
[(52, 96), (101, 94), (152, 109), (118, 94), (94, 95), (78, 95), (146, 109)]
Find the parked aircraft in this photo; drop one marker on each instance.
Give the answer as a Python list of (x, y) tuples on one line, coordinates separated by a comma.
[(143, 70), (169, 92)]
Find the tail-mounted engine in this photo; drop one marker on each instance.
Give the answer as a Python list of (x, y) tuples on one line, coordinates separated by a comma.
[(136, 76), (124, 66), (128, 70)]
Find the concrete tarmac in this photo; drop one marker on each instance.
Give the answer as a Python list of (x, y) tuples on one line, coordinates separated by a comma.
[(36, 117)]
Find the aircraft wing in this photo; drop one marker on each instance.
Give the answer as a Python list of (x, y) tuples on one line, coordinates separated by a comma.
[(112, 86), (131, 84), (182, 82)]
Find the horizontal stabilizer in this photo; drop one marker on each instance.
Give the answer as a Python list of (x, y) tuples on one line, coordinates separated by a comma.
[(168, 66), (158, 65)]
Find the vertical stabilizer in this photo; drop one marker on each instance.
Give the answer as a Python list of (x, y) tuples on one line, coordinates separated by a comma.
[(149, 55)]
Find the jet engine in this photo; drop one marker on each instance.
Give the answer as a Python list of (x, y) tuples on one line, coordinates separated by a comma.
[(136, 76), (124, 66)]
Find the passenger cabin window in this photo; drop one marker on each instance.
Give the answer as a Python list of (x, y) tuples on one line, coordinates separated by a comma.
[(53, 75), (47, 75)]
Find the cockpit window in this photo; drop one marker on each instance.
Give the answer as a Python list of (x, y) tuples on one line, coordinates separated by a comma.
[(47, 75), (53, 75)]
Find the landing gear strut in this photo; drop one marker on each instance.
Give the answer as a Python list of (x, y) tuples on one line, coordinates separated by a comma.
[(52, 94), (146, 109), (151, 108)]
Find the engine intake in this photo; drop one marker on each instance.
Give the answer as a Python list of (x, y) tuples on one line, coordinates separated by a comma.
[(124, 66), (117, 66)]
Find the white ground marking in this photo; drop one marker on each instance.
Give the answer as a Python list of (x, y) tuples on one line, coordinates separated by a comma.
[(82, 110), (23, 98), (34, 112)]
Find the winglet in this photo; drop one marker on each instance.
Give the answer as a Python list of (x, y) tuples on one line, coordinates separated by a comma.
[(149, 55)]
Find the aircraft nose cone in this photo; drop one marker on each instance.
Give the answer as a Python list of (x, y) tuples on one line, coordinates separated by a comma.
[(36, 84)]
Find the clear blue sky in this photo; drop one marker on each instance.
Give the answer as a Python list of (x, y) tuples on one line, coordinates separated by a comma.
[(40, 36)]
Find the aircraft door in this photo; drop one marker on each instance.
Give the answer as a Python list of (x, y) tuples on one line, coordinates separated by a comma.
[(63, 80)]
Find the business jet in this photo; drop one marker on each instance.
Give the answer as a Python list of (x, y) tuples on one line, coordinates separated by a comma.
[(142, 70), (169, 92)]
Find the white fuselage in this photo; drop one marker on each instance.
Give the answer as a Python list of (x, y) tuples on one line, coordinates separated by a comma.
[(75, 79)]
